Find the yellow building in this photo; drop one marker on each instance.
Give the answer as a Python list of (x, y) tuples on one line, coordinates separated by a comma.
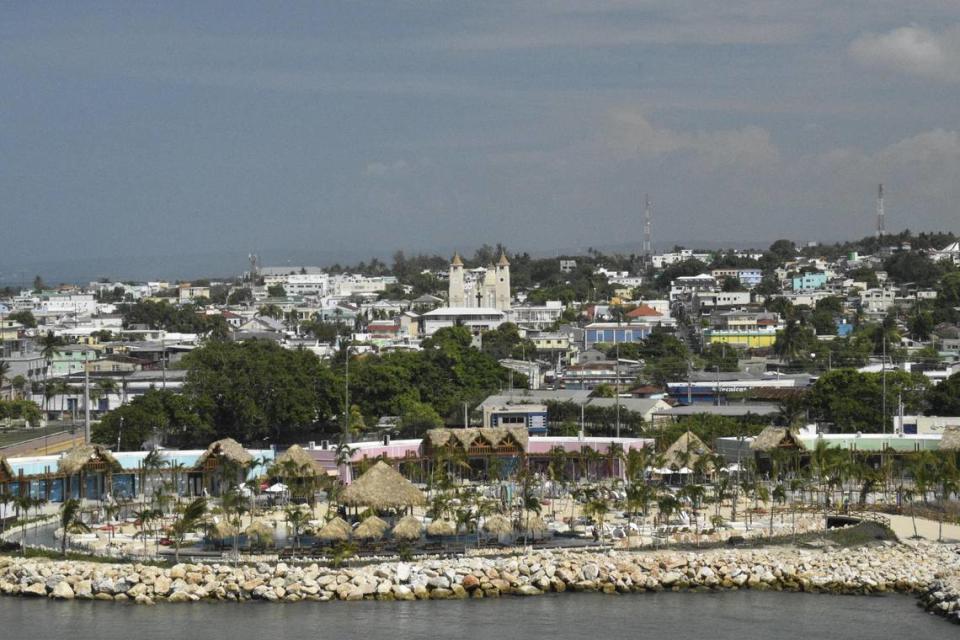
[(743, 338)]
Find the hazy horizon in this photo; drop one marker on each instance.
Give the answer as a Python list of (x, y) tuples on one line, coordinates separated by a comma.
[(148, 137)]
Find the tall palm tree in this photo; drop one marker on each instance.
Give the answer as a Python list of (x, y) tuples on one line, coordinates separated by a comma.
[(70, 522), (23, 504), (4, 371), (188, 519), (296, 518)]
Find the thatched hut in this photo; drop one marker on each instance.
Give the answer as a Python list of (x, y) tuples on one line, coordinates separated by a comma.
[(298, 458), (88, 469), (498, 525), (382, 487), (685, 451), (441, 528), (950, 440), (6, 471), (409, 528), (222, 459), (372, 528), (337, 530), (479, 441), (533, 523), (260, 530), (773, 438), (222, 530)]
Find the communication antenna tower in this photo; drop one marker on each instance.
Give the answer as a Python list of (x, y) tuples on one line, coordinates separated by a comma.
[(881, 223), (647, 233)]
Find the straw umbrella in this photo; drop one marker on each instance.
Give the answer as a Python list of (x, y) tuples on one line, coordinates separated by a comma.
[(337, 530), (373, 528), (223, 529), (498, 525), (534, 524), (260, 530), (382, 487), (441, 528), (409, 528)]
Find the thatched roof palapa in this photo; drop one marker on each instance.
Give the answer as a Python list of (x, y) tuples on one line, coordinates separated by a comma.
[(300, 458), (473, 437), (409, 528), (776, 438), (337, 529), (229, 449), (79, 457), (260, 529), (950, 440), (498, 525), (6, 471), (689, 445), (224, 529), (533, 523), (382, 487), (373, 528), (441, 528)]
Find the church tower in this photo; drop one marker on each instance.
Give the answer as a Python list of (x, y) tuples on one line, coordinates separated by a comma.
[(456, 293), (502, 301)]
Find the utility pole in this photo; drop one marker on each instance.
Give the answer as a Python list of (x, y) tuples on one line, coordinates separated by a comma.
[(163, 360), (883, 377), (466, 416), (86, 403), (717, 392), (647, 233), (346, 394)]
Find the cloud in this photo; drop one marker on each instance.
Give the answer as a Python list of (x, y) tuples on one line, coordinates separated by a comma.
[(748, 147), (912, 50)]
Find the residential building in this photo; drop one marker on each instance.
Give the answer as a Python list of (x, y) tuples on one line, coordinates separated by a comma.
[(808, 281), (477, 319)]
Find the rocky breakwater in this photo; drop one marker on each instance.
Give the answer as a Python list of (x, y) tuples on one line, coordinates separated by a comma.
[(892, 567), (942, 596)]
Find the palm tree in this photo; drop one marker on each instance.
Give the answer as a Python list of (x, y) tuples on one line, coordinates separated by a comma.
[(4, 370), (187, 520), (23, 504), (596, 508), (145, 518), (5, 499), (71, 522), (296, 518), (949, 481), (234, 506)]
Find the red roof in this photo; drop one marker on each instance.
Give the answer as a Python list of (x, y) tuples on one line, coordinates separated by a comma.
[(644, 311)]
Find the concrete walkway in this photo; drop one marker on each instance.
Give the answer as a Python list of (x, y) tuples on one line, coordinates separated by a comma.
[(928, 529)]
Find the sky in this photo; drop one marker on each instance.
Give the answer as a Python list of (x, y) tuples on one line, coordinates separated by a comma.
[(158, 135)]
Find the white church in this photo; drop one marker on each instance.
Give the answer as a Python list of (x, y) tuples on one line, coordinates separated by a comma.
[(478, 299)]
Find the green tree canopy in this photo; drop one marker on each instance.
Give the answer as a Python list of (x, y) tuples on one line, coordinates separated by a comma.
[(257, 390), (853, 401), (158, 414)]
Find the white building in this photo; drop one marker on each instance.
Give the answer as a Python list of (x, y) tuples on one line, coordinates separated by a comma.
[(482, 288), (477, 319)]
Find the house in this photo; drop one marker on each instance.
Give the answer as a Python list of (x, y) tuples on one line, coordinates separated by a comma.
[(188, 293), (531, 416), (477, 319), (807, 281), (613, 333)]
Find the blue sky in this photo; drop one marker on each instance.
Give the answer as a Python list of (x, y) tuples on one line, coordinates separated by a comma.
[(358, 128)]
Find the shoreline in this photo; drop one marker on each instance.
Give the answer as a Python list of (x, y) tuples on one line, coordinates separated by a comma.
[(929, 571)]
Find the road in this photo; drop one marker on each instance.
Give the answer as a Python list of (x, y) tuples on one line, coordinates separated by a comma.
[(44, 445)]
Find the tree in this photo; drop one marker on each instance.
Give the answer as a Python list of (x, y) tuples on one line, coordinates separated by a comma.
[(256, 390), (24, 317), (70, 522), (944, 398), (783, 250), (276, 291), (165, 416), (188, 519), (417, 418), (505, 342), (38, 284), (854, 401)]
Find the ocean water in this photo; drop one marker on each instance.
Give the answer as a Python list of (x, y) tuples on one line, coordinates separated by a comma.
[(718, 616)]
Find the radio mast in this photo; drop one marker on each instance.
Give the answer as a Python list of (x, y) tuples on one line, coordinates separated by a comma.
[(881, 224)]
